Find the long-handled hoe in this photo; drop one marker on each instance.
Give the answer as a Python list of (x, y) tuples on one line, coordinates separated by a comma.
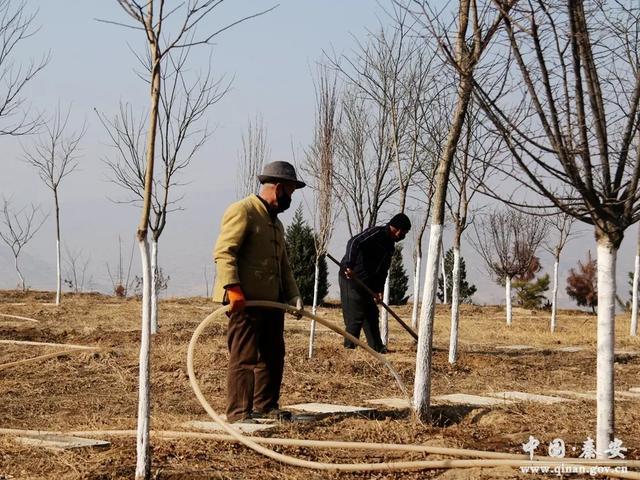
[(385, 306)]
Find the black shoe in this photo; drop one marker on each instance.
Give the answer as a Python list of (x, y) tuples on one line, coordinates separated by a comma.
[(275, 414), (350, 347), (382, 350)]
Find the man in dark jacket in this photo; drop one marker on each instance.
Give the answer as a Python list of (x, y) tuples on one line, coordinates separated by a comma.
[(368, 258)]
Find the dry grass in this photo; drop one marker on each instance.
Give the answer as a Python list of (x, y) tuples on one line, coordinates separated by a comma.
[(93, 391)]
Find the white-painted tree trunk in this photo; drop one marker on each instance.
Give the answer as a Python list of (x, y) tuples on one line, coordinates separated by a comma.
[(444, 279), (143, 463), (416, 292), (58, 273), (554, 295), (634, 302), (455, 306), (20, 277), (314, 308), (607, 254), (422, 384), (507, 297), (58, 269), (154, 287), (384, 315)]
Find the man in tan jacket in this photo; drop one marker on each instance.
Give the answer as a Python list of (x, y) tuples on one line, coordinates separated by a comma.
[(252, 264)]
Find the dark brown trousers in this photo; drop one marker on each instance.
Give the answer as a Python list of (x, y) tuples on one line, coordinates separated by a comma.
[(255, 338)]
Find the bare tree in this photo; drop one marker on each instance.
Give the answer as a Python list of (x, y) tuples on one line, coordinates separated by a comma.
[(150, 18), (121, 281), (18, 228), (507, 242), (54, 154), (413, 96), (361, 183), (468, 174), (370, 137), (476, 27), (77, 265), (431, 132), (390, 74), (561, 224), (205, 274), (578, 79), (255, 153), (183, 104), (320, 162), (16, 25)]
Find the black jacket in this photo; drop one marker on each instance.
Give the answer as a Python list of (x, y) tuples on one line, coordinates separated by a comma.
[(369, 256)]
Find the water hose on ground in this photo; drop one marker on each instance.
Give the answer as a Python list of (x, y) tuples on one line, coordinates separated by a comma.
[(38, 358), (48, 344), (354, 467), (19, 318), (488, 461), (69, 349)]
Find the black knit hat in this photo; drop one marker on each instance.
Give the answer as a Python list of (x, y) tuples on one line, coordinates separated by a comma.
[(401, 221)]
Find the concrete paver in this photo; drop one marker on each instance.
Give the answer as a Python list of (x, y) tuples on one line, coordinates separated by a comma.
[(327, 408), (391, 402), (60, 442), (466, 399), (528, 397), (241, 427)]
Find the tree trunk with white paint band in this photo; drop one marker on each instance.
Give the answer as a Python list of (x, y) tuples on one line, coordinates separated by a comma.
[(633, 331), (58, 269), (416, 292), (455, 306), (314, 307), (507, 297), (58, 273), (444, 278), (422, 385), (143, 446), (384, 315), (20, 275), (154, 286), (554, 295), (143, 464), (607, 254)]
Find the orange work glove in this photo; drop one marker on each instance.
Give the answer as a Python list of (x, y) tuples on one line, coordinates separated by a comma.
[(236, 298)]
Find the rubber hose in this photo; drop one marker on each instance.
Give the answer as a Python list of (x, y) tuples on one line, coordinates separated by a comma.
[(354, 467)]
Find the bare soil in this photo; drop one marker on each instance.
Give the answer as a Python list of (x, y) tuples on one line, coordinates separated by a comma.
[(98, 390)]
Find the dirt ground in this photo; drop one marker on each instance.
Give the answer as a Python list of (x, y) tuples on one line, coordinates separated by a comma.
[(98, 390)]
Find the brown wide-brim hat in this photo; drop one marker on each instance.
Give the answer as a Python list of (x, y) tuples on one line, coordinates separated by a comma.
[(278, 172)]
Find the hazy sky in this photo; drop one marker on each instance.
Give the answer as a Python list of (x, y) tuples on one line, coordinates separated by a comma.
[(270, 59)]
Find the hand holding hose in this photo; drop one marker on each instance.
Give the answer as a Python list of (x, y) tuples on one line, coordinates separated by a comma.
[(236, 298), (297, 301)]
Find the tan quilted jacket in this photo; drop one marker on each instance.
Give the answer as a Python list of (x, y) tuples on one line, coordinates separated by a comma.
[(251, 251)]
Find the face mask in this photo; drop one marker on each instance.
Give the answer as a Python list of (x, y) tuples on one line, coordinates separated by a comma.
[(284, 201)]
